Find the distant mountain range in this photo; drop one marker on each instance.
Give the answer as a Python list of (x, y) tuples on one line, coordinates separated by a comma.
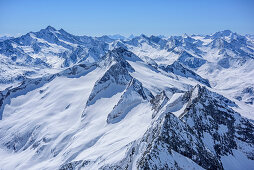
[(3, 38), (111, 102)]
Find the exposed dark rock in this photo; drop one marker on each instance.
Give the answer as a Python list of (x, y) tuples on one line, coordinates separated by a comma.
[(178, 69)]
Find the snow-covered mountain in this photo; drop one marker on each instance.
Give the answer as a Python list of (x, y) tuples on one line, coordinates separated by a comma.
[(47, 51), (80, 102), (117, 37), (3, 38)]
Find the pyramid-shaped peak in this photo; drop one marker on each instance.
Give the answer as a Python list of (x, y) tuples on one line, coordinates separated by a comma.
[(62, 31), (50, 28), (185, 35)]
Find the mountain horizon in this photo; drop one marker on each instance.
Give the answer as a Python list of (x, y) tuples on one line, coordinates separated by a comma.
[(119, 36)]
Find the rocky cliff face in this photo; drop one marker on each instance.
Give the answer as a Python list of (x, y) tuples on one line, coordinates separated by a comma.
[(202, 136), (220, 127)]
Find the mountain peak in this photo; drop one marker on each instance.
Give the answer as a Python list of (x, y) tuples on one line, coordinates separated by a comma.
[(131, 36), (50, 28), (62, 30), (224, 33), (143, 36), (185, 35)]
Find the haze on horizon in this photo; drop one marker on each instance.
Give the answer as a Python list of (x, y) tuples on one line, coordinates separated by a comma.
[(148, 17)]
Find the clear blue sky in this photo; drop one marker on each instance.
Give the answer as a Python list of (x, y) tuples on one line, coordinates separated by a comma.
[(98, 17)]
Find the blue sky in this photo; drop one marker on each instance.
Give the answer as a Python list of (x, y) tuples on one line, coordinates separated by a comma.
[(99, 17)]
